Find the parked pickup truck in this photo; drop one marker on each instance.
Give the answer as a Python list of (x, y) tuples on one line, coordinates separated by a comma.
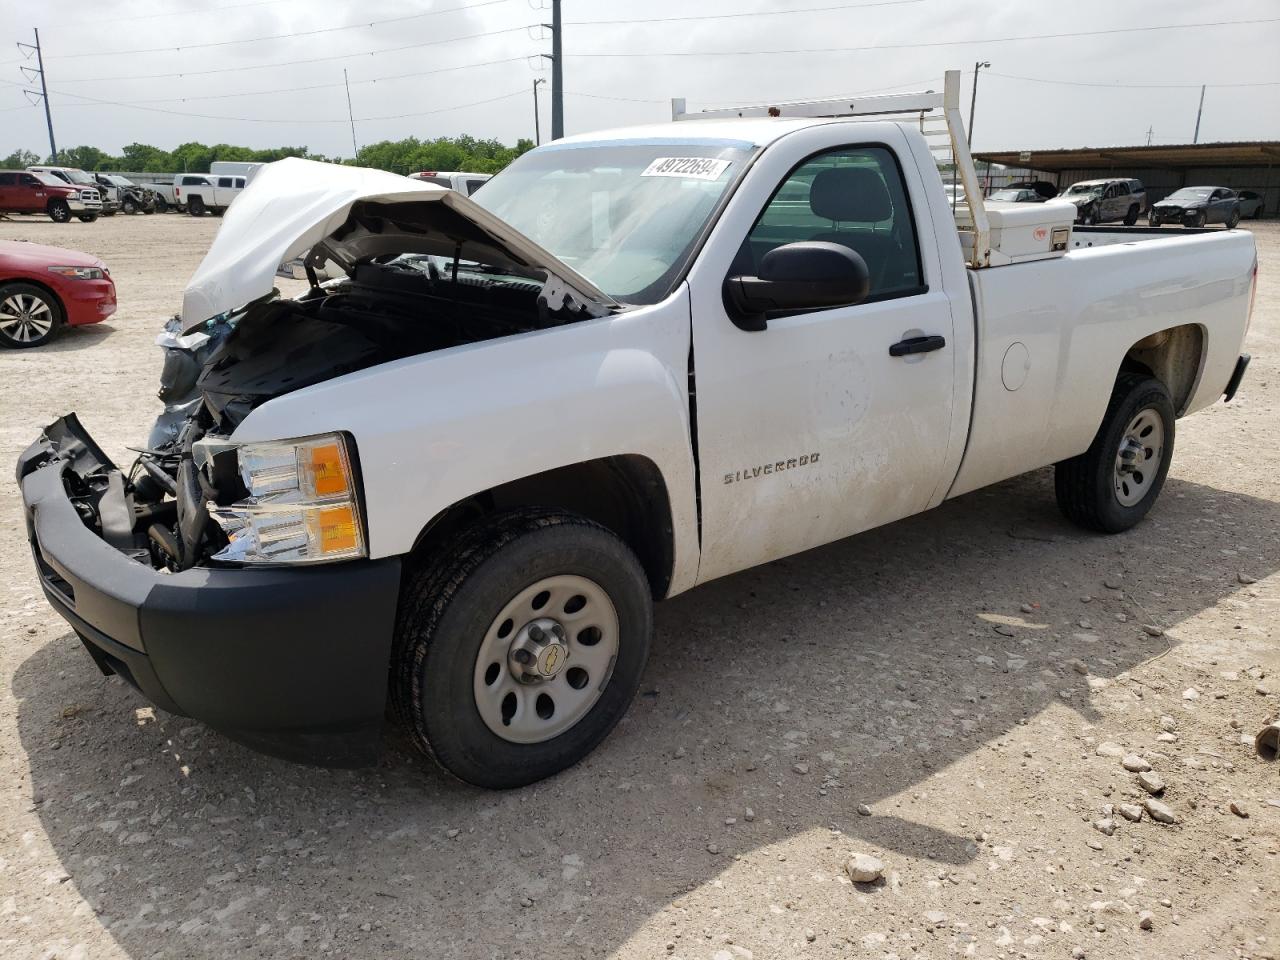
[(24, 192), (201, 192), (655, 357)]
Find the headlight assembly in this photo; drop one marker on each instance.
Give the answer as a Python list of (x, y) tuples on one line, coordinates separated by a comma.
[(302, 504)]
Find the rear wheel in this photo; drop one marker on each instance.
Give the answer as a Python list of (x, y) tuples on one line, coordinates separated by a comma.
[(195, 206), (1234, 220), (29, 315), (1131, 217), (88, 217), (520, 647), (58, 210), (1112, 485)]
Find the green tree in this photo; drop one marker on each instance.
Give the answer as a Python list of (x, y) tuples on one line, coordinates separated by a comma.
[(86, 158), (19, 159)]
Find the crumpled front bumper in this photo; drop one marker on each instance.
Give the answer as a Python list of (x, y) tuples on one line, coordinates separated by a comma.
[(292, 662)]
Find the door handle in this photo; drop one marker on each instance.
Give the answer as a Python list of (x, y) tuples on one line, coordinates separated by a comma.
[(912, 345)]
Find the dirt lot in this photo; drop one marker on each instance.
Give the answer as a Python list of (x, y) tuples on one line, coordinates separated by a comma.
[(930, 671)]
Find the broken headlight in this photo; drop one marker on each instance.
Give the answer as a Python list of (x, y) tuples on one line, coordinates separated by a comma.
[(302, 504)]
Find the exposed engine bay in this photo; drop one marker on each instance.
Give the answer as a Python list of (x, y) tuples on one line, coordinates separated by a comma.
[(390, 307)]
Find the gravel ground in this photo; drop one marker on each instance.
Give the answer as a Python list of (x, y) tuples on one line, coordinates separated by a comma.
[(954, 695)]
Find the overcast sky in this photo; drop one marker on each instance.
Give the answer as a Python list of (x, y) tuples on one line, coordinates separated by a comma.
[(641, 64)]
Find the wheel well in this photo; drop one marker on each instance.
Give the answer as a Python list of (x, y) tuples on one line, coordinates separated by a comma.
[(1173, 357), (626, 494)]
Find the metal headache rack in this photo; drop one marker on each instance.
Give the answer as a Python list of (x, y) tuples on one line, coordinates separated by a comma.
[(937, 116)]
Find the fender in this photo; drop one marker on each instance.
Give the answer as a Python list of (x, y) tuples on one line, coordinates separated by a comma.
[(435, 429)]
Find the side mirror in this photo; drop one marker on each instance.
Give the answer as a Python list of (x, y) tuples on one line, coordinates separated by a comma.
[(808, 275)]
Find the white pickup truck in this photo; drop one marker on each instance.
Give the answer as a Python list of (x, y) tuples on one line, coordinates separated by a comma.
[(652, 357)]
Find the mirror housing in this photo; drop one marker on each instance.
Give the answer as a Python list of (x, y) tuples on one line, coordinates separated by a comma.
[(807, 275)]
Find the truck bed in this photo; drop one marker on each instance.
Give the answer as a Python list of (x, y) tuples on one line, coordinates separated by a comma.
[(1052, 334)]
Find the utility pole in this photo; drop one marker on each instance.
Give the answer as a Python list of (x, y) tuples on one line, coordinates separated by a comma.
[(1150, 131), (44, 89), (537, 125), (1199, 110), (973, 103), (355, 151), (557, 73)]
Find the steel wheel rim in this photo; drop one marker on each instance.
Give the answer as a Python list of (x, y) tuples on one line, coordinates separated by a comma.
[(557, 688), (1139, 457), (25, 317)]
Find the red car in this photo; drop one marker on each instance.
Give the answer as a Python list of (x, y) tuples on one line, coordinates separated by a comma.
[(44, 288)]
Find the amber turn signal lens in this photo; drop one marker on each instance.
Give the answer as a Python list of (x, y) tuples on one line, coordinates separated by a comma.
[(328, 471), (338, 532)]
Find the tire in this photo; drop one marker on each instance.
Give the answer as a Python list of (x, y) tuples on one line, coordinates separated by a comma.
[(1234, 220), (1153, 220), (1093, 491), (58, 210), (195, 206), (88, 217), (1202, 219), (452, 617), (162, 205), (219, 211), (29, 315), (128, 206), (1257, 214), (1131, 217), (1090, 217)]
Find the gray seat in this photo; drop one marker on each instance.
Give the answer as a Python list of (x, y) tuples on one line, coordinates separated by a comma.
[(858, 195)]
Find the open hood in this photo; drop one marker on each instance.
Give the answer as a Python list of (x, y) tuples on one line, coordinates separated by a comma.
[(298, 208)]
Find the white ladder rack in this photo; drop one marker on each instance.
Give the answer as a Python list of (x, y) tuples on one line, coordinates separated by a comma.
[(944, 130)]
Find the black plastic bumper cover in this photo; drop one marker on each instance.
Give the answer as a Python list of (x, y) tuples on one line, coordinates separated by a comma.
[(292, 662)]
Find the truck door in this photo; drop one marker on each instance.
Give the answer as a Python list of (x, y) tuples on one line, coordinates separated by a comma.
[(8, 190), (810, 430), (224, 192), (30, 194)]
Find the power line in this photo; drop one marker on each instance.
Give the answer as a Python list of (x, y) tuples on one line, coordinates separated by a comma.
[(308, 88), (293, 63), (277, 36), (733, 16), (934, 43), (277, 120), (1153, 85)]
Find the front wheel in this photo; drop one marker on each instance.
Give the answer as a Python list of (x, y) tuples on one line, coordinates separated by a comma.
[(59, 211), (29, 315), (162, 205), (1153, 220), (1131, 217), (129, 206), (88, 217), (1112, 485), (1090, 217), (1202, 219), (520, 647)]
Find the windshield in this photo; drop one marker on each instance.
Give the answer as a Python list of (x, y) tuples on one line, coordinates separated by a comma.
[(626, 215), (48, 180), (121, 181), (1190, 193), (1007, 195), (78, 176), (1082, 188)]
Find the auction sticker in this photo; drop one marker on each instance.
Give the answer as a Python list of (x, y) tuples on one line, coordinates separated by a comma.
[(692, 168)]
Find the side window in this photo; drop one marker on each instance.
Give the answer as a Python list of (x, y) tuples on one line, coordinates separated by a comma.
[(8, 179), (239, 183), (473, 185), (852, 196), (1122, 189), (27, 180), (226, 181)]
